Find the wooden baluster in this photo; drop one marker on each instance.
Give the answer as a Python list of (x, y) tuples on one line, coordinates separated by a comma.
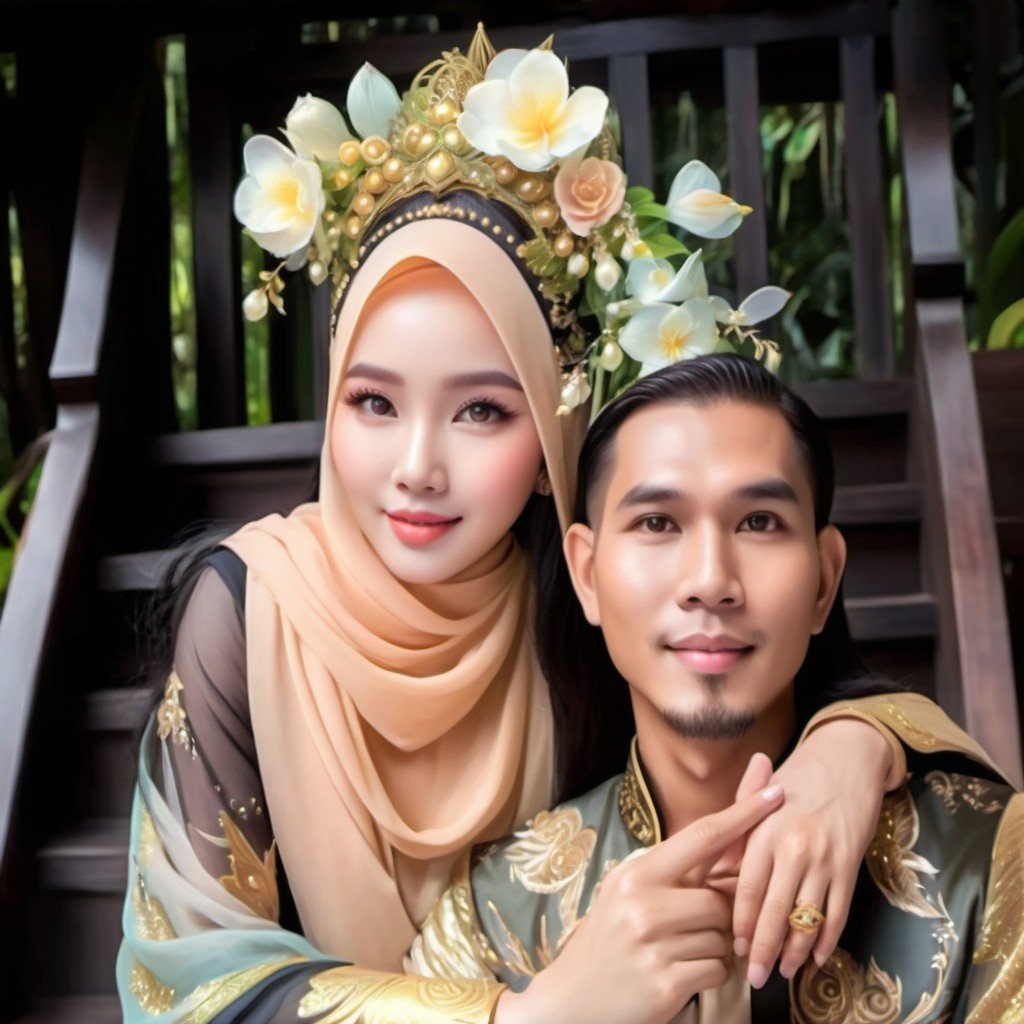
[(628, 86)]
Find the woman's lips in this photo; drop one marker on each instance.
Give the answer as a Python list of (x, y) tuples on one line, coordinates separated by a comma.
[(419, 528)]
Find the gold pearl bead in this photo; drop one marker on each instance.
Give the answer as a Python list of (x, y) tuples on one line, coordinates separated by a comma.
[(373, 181), (393, 169), (428, 140), (564, 244), (545, 214), (353, 225), (348, 152), (342, 178), (443, 112), (375, 150), (453, 138), (411, 137), (333, 234), (440, 165), (532, 189), (505, 172), (317, 272), (363, 204)]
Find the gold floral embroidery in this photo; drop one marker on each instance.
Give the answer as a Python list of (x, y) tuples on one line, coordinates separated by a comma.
[(451, 943), (891, 860), (150, 917), (961, 790), (150, 993), (844, 992), (253, 881), (518, 961), (1002, 929), (171, 718), (148, 839), (213, 996), (636, 808), (353, 995), (905, 727)]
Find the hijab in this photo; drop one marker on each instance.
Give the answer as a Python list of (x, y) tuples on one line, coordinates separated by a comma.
[(396, 725)]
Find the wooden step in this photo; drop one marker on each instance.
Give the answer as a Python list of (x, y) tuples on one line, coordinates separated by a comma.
[(93, 858), (900, 617), (75, 1010)]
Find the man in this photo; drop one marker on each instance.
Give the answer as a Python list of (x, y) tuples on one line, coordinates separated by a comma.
[(704, 554)]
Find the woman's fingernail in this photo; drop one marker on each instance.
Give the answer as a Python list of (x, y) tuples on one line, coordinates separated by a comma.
[(772, 793), (787, 972), (820, 958), (757, 975), (740, 947)]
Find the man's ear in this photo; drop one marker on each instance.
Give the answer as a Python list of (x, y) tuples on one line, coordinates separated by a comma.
[(832, 562), (579, 556)]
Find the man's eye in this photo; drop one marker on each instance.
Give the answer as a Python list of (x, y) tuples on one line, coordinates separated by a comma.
[(761, 522), (654, 524)]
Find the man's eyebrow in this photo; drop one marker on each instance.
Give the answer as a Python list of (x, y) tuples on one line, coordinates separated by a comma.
[(771, 489), (496, 378), (649, 494), (376, 373)]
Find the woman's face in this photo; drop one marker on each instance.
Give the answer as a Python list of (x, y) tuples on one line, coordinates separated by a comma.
[(433, 439)]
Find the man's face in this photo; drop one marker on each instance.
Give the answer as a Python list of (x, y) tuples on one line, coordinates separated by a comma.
[(704, 569)]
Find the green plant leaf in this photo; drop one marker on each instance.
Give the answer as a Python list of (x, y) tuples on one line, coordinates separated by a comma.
[(664, 245), (638, 194), (1000, 283), (6, 567), (1008, 327)]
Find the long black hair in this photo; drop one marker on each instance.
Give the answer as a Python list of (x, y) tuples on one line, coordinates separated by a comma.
[(590, 699)]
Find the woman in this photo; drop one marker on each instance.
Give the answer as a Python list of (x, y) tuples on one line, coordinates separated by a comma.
[(355, 685)]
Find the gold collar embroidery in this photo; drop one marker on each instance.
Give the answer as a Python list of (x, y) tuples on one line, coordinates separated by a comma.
[(636, 806)]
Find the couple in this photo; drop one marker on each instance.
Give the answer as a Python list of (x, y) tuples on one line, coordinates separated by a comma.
[(360, 692)]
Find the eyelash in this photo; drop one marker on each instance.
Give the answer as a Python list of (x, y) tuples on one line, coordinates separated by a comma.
[(360, 395)]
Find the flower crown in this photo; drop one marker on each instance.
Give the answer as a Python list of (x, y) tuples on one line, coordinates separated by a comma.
[(505, 125)]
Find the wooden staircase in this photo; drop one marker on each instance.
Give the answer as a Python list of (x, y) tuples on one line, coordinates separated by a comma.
[(906, 488)]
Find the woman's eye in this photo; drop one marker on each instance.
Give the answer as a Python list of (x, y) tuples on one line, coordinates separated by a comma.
[(761, 522), (655, 524), (481, 412), (373, 405)]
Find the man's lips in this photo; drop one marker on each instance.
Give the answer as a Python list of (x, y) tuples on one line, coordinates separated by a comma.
[(712, 654), (418, 527)]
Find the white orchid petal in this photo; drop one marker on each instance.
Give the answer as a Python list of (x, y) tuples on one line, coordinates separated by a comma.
[(639, 337), (254, 210), (537, 158), (689, 281), (266, 158), (639, 281), (484, 119), (297, 258), (315, 128), (693, 176), (703, 336), (373, 102), (504, 64), (722, 309), (539, 78), (707, 214), (582, 120), (764, 303)]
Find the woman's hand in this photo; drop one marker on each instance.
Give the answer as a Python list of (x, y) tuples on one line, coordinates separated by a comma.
[(654, 937), (811, 850)]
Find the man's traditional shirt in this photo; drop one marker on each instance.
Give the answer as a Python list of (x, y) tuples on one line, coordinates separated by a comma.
[(935, 932)]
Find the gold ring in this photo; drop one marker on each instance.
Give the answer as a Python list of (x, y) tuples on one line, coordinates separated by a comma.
[(806, 917)]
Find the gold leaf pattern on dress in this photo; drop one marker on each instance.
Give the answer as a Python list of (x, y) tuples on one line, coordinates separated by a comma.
[(148, 839), (962, 790), (150, 993), (552, 852), (252, 880), (843, 991), (171, 718), (354, 995), (518, 960), (636, 808), (945, 935), (213, 996), (1002, 929), (450, 943), (891, 860), (904, 727), (150, 917)]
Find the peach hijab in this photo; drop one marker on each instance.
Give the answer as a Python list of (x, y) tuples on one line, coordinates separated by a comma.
[(396, 725)]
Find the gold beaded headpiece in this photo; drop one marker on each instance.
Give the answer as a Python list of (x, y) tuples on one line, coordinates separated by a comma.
[(506, 127)]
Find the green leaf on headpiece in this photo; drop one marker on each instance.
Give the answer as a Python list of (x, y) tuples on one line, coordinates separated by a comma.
[(639, 194), (656, 211), (664, 245)]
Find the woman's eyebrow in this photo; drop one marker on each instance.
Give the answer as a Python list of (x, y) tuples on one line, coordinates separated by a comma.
[(377, 373), (496, 378)]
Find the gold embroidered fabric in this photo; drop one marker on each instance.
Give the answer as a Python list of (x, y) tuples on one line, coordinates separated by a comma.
[(252, 880), (352, 995), (213, 996), (150, 993), (150, 916), (636, 808), (1002, 930), (956, 791), (844, 992), (170, 715)]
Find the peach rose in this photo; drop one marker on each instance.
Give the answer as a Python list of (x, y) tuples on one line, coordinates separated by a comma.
[(589, 193)]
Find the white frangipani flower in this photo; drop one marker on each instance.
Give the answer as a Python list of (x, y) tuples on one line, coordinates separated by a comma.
[(655, 280), (280, 199), (523, 111), (373, 102), (315, 129), (662, 334), (759, 305), (696, 203)]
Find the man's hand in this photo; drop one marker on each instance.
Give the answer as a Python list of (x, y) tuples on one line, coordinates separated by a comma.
[(655, 936)]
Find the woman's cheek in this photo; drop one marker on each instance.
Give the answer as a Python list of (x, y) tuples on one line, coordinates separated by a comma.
[(358, 460), (503, 476)]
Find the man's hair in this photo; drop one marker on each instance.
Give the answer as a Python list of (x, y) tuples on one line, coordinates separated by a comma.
[(593, 714)]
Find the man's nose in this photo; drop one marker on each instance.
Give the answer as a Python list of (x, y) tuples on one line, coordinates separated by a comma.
[(708, 574), (421, 466)]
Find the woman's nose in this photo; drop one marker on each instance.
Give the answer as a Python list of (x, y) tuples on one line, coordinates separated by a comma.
[(421, 466)]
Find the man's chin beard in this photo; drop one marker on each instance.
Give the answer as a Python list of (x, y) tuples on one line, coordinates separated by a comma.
[(713, 721)]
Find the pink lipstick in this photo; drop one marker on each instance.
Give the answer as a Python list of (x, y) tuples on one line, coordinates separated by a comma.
[(418, 528)]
